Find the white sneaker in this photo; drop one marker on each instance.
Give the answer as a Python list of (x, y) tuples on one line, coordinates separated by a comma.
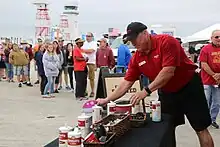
[(46, 96), (52, 96)]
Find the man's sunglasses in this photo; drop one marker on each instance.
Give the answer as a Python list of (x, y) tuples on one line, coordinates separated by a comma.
[(88, 36), (217, 37)]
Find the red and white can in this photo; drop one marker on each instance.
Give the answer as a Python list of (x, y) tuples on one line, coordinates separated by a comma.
[(111, 108), (74, 139), (63, 135), (156, 111)]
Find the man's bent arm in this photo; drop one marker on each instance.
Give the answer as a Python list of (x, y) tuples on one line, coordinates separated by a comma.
[(89, 51), (162, 78), (123, 87), (206, 67)]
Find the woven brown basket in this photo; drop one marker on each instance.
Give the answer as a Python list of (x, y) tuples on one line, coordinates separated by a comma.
[(110, 141), (119, 128)]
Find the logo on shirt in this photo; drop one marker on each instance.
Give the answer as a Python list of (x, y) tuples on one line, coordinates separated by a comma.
[(216, 57), (142, 63)]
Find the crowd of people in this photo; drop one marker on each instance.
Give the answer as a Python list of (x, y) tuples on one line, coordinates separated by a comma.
[(54, 59)]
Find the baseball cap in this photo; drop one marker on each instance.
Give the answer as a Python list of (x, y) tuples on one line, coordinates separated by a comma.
[(103, 39), (79, 40), (179, 40), (133, 29), (60, 40), (39, 40)]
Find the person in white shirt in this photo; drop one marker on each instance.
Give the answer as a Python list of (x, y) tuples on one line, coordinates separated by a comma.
[(90, 48)]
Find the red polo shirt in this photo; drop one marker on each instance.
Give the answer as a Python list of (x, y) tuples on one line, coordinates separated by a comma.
[(78, 65), (210, 55), (166, 51)]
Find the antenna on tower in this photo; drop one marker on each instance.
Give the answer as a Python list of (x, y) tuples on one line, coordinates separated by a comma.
[(42, 25)]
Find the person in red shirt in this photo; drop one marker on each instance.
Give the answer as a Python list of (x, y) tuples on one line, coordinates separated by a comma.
[(104, 55), (162, 59), (210, 73), (80, 69)]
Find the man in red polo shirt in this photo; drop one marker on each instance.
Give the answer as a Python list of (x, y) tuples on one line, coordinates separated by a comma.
[(210, 73), (162, 59), (80, 69)]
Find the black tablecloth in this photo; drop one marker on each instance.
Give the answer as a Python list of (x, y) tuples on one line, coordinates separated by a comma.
[(152, 135)]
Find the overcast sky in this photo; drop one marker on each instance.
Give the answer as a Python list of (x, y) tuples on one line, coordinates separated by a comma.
[(189, 16)]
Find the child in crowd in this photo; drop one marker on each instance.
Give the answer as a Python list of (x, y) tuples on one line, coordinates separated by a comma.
[(40, 68), (51, 67)]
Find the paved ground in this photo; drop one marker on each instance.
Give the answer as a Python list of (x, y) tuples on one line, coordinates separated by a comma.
[(24, 122)]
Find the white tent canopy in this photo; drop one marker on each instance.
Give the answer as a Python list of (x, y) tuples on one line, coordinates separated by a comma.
[(203, 34)]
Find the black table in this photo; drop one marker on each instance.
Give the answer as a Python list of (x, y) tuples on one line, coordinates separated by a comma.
[(152, 135)]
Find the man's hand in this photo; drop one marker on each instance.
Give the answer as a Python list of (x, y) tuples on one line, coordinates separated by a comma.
[(102, 101), (216, 76), (135, 99)]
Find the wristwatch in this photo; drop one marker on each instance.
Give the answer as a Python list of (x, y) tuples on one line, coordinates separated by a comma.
[(148, 90)]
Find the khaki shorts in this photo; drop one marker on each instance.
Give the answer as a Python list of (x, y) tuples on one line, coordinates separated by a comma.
[(91, 72)]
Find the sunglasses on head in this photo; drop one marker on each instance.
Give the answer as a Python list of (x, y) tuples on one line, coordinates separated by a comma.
[(217, 37)]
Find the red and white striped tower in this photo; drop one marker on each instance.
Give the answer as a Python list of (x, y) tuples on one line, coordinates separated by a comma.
[(42, 25), (64, 27)]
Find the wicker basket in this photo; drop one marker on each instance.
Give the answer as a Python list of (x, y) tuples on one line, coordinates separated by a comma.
[(137, 123), (119, 128), (110, 141)]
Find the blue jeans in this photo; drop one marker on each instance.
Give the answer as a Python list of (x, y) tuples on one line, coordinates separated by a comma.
[(50, 85), (10, 72), (213, 99)]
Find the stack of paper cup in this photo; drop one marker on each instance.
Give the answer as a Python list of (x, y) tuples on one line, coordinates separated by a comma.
[(156, 111), (96, 114), (84, 123), (74, 138), (63, 135)]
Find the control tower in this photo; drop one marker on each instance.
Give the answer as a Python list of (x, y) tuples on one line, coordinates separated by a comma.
[(42, 24), (71, 9)]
